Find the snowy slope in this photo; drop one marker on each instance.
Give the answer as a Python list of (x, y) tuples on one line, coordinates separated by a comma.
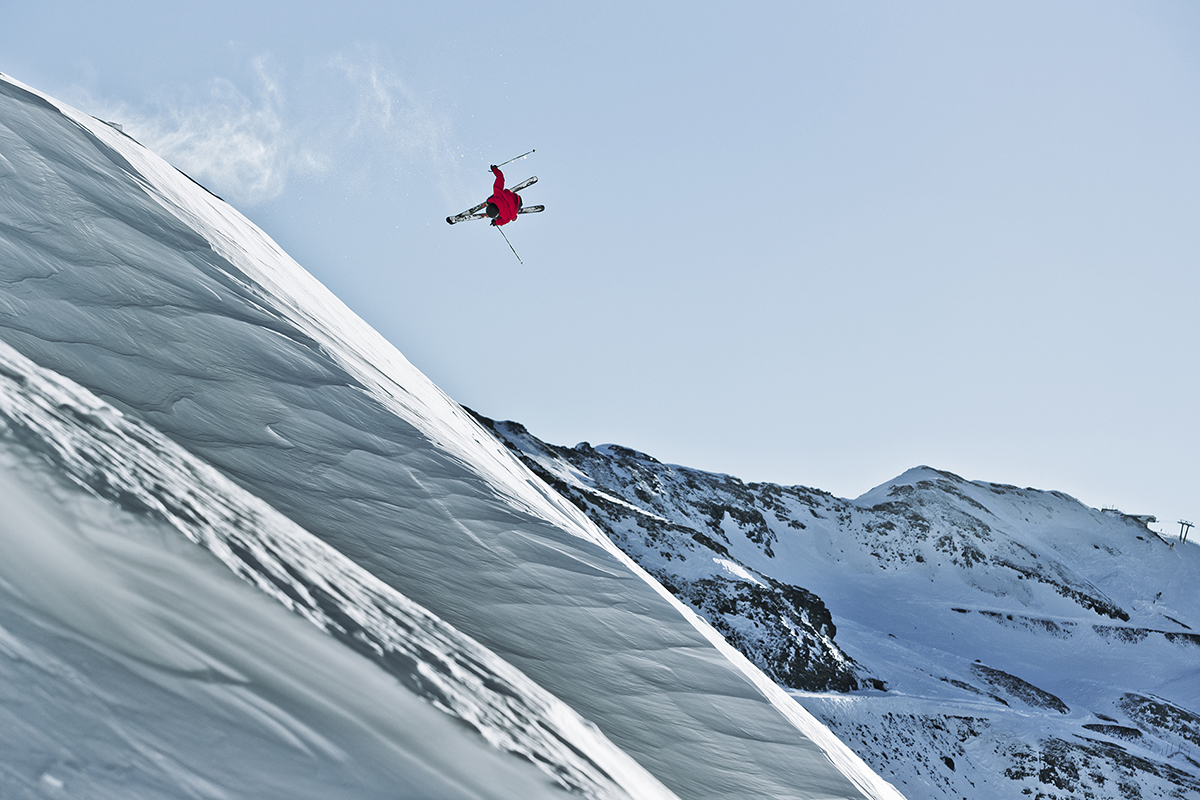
[(121, 275), (985, 641), (86, 445)]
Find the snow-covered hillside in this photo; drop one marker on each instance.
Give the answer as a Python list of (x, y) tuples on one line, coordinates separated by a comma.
[(967, 639), (66, 449), (171, 375)]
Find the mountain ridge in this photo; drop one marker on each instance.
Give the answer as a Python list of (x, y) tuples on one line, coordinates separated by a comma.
[(982, 626)]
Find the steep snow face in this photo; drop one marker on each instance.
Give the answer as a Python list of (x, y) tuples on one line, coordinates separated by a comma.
[(93, 445), (134, 665), (127, 278), (1026, 644)]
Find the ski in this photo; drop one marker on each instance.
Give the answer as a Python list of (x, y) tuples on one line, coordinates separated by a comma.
[(525, 184), (526, 210), (473, 213), (470, 213)]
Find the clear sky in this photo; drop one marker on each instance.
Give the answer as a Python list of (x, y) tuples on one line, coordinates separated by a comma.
[(804, 242)]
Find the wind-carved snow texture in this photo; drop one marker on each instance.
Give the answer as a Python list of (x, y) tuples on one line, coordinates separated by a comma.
[(1027, 645), (134, 466)]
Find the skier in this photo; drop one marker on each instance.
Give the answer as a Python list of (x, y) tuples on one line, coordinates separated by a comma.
[(503, 205)]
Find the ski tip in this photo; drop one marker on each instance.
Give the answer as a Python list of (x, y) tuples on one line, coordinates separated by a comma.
[(450, 220)]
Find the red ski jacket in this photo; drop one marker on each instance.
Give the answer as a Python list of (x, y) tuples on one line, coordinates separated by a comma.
[(507, 202)]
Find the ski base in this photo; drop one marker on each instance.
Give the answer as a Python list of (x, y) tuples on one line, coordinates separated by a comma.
[(526, 210), (470, 213), (525, 184)]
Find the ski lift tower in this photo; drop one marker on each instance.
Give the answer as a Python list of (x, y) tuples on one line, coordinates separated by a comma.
[(1184, 527)]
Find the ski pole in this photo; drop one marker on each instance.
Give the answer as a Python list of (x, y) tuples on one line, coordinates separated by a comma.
[(514, 159), (510, 247)]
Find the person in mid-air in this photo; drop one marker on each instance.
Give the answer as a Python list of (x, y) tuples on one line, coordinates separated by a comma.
[(503, 205)]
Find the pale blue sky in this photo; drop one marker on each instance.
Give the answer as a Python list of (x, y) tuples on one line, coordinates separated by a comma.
[(805, 242)]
